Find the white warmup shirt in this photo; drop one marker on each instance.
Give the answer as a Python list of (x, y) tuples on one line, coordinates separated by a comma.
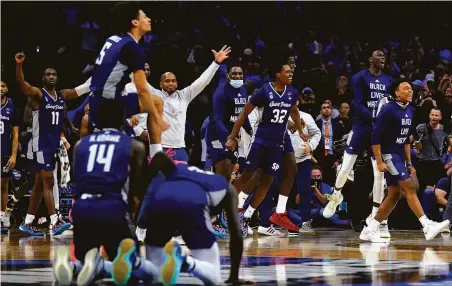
[(312, 130), (245, 138), (175, 108)]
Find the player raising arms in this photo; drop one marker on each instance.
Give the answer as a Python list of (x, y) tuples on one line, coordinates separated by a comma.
[(391, 146), (48, 111), (275, 101), (9, 130), (120, 56)]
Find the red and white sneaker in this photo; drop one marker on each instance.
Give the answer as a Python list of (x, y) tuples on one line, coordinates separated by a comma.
[(283, 220)]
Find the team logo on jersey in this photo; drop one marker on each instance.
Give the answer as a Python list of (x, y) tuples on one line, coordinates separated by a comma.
[(377, 80), (290, 98), (239, 95), (270, 94), (275, 166), (406, 115)]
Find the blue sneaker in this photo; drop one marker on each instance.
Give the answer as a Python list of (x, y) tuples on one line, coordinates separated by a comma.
[(60, 227), (30, 229), (219, 230), (122, 266), (4, 229), (174, 259)]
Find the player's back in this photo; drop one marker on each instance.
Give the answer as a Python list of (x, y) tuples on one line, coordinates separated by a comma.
[(48, 122), (8, 117), (273, 112), (189, 185), (102, 164), (119, 57)]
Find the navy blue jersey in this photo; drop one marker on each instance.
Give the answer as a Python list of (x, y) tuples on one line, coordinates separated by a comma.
[(102, 163), (228, 103), (10, 118), (393, 128), (191, 185), (273, 113), (119, 56), (368, 90), (48, 122)]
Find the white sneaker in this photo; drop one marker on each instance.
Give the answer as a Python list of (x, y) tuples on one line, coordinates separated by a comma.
[(446, 229), (250, 231), (331, 207), (63, 270), (271, 231), (372, 235), (384, 230), (6, 218), (433, 228), (141, 234), (306, 227)]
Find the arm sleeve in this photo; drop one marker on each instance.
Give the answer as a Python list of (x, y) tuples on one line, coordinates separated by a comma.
[(360, 100), (379, 126), (190, 92), (132, 55)]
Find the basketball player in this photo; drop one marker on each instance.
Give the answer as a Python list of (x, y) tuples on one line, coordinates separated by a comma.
[(103, 164), (185, 196), (9, 130), (275, 101), (120, 56), (48, 108), (391, 147), (369, 87)]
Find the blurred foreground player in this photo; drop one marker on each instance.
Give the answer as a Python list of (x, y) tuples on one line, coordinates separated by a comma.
[(103, 163), (9, 129), (391, 146), (183, 198), (120, 56)]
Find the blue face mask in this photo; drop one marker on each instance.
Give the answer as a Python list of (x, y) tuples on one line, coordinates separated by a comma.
[(236, 83)]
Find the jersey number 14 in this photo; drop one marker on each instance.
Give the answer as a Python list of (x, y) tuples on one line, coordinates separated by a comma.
[(97, 156)]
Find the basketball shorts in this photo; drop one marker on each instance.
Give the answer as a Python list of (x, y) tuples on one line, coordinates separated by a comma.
[(100, 221), (45, 160), (218, 152), (358, 142), (287, 145), (397, 169), (265, 158), (5, 170)]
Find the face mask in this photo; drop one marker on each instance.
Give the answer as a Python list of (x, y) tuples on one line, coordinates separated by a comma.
[(236, 83)]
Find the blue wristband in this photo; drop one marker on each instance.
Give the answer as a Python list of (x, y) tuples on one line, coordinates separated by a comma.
[(408, 164)]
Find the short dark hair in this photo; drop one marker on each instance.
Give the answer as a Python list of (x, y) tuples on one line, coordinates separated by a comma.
[(317, 167), (4, 82), (436, 108), (111, 114), (395, 84), (276, 66), (121, 16)]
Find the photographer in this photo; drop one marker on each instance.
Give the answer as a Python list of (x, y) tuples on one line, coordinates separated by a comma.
[(319, 200)]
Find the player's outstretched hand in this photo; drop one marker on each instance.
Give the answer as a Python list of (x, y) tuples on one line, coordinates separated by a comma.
[(239, 282), (222, 54), (20, 57), (231, 144), (411, 170), (382, 167)]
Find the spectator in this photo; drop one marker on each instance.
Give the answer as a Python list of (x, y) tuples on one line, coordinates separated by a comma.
[(434, 197)]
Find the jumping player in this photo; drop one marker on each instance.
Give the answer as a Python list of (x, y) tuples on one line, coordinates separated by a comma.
[(275, 101), (391, 146), (9, 129), (185, 196), (369, 87), (48, 109), (120, 56), (104, 162)]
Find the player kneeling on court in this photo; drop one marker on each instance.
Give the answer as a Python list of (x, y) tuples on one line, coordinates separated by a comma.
[(182, 198), (103, 163)]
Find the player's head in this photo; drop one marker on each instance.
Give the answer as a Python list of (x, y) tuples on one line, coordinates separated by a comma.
[(235, 76), (127, 17), (49, 78), (377, 60), (281, 71), (402, 90), (435, 116), (3, 88), (168, 82), (161, 163), (111, 114)]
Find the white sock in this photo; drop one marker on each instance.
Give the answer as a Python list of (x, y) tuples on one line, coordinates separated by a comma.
[(423, 220), (374, 224), (29, 219), (242, 199), (53, 219), (154, 149), (347, 165), (206, 265), (249, 212), (190, 262), (281, 206)]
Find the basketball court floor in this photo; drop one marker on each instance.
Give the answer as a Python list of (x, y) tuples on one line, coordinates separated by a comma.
[(328, 257)]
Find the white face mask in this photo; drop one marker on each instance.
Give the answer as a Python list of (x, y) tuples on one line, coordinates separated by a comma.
[(236, 83)]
